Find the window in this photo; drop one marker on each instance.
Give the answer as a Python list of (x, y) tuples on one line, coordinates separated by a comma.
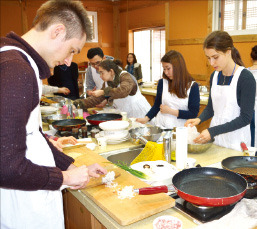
[(237, 17), (149, 47)]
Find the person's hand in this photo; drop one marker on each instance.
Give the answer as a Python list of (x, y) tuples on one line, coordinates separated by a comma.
[(102, 104), (79, 102), (165, 109), (89, 92), (66, 140), (95, 170), (56, 145), (64, 90), (98, 93), (76, 177), (192, 122), (143, 120), (203, 137)]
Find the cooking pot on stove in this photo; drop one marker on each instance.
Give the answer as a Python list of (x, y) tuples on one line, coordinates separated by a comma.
[(68, 124)]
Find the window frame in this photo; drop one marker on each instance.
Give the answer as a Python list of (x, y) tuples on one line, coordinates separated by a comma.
[(216, 21)]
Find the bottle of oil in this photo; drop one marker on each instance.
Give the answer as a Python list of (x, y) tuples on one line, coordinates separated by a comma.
[(173, 147)]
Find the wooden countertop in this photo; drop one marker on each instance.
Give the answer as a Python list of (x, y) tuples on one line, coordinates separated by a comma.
[(213, 155)]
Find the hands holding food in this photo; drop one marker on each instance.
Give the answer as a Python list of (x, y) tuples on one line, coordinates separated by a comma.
[(78, 177)]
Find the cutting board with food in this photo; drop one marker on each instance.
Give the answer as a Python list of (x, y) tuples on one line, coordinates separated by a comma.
[(124, 211)]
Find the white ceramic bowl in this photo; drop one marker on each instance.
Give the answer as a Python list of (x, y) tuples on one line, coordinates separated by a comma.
[(48, 110), (167, 222), (114, 125)]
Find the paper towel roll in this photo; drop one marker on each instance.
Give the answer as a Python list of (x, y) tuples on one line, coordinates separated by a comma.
[(181, 147)]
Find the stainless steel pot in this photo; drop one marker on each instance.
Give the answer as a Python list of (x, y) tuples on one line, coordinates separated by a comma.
[(149, 133)]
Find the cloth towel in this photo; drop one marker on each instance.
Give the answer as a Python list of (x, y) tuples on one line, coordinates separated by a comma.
[(243, 216)]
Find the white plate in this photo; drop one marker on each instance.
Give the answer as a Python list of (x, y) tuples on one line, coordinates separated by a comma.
[(48, 110), (114, 125), (160, 172)]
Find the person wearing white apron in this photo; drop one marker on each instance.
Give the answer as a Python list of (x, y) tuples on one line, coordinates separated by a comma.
[(167, 121), (120, 88), (177, 97), (232, 95), (225, 107), (135, 105), (33, 209)]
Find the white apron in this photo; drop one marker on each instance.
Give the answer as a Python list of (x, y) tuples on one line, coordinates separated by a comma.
[(97, 79), (32, 209), (225, 107), (167, 121), (136, 105)]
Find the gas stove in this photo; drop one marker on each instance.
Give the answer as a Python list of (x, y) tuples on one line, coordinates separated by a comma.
[(203, 214)]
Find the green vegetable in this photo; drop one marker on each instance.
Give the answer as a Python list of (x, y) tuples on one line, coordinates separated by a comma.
[(134, 172)]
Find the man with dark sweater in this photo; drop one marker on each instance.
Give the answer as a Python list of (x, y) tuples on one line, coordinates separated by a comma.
[(32, 169)]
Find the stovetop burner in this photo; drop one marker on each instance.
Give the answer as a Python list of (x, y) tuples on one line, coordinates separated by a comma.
[(63, 133), (202, 214)]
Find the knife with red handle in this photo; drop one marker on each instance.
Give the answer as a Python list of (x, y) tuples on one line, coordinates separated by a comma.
[(244, 148), (153, 190)]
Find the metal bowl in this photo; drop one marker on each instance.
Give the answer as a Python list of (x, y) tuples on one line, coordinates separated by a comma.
[(149, 133), (199, 148), (51, 118)]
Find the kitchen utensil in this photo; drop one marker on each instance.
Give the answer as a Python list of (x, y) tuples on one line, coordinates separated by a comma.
[(243, 165), (68, 124), (51, 118), (99, 180), (149, 133), (199, 148), (99, 118), (205, 186), (244, 148)]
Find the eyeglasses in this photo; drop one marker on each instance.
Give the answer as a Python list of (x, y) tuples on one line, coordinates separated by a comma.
[(96, 63)]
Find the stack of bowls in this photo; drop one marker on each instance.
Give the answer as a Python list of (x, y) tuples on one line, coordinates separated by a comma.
[(114, 131)]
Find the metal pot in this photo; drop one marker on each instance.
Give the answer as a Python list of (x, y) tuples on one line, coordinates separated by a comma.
[(99, 118), (199, 148), (149, 133)]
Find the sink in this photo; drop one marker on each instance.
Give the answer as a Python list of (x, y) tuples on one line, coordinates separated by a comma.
[(124, 155)]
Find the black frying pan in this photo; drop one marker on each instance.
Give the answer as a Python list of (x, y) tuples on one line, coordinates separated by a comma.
[(243, 165), (68, 124), (98, 118)]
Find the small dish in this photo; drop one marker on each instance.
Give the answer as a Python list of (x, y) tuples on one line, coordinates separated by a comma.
[(167, 222), (48, 110)]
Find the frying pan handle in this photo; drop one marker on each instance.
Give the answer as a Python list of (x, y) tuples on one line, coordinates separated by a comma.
[(243, 146), (152, 190)]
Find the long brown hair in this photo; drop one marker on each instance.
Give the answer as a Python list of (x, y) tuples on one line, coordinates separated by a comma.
[(181, 78), (222, 41)]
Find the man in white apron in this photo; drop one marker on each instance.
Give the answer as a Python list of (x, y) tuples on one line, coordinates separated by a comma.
[(33, 170)]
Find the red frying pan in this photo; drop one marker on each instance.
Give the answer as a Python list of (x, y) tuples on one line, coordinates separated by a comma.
[(98, 118), (205, 186)]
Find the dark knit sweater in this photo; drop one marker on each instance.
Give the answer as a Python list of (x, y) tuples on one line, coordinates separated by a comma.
[(18, 97)]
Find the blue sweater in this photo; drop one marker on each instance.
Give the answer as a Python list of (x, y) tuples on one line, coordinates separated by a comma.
[(193, 103)]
